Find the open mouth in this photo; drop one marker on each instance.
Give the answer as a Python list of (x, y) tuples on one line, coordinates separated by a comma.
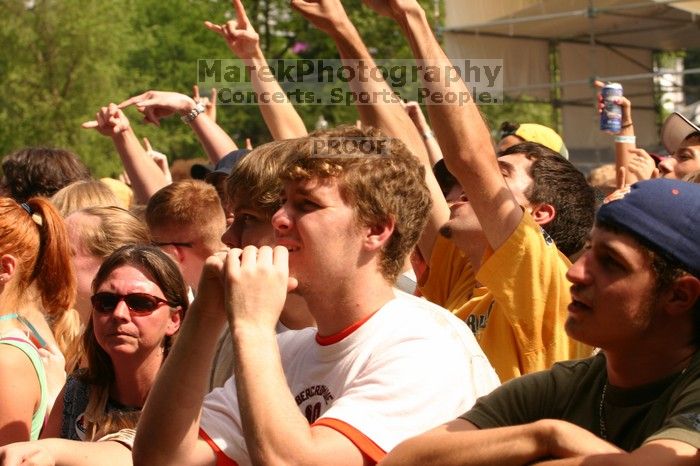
[(578, 306)]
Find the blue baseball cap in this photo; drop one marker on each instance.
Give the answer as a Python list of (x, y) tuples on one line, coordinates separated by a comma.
[(664, 214)]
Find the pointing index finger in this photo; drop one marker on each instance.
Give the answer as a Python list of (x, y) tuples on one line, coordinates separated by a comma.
[(214, 27), (132, 100)]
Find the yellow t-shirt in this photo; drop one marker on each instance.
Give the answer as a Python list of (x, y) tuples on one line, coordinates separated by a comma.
[(518, 314)]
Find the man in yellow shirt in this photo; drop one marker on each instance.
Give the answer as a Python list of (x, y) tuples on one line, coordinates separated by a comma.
[(500, 261)]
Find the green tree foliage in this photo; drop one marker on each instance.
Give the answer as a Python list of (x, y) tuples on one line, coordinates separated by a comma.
[(63, 59), (58, 62)]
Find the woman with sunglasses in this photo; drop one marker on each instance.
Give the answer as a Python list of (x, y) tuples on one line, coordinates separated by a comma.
[(139, 300), (36, 279), (95, 233)]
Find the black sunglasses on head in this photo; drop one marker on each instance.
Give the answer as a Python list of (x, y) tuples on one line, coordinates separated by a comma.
[(105, 302)]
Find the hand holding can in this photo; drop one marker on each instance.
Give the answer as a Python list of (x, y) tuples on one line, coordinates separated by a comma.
[(611, 115)]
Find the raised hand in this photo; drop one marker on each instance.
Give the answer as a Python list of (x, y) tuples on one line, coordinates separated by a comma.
[(326, 15), (622, 101), (257, 281), (156, 105), (416, 114), (641, 166), (393, 8), (240, 36), (209, 103), (159, 158), (109, 121)]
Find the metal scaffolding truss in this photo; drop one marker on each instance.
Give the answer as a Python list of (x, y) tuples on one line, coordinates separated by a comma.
[(613, 40)]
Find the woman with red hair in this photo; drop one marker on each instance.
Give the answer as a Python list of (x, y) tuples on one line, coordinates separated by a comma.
[(36, 279)]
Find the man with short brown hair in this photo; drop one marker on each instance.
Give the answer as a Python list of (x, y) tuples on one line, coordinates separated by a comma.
[(186, 220)]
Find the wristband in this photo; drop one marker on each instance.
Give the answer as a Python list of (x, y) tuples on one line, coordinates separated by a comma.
[(428, 134), (627, 125), (192, 114), (626, 139)]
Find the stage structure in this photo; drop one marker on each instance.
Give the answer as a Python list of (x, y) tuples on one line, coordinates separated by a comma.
[(553, 49)]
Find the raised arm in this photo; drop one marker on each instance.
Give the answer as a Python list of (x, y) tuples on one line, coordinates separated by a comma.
[(387, 114), (146, 178), (431, 145), (281, 118), (160, 159), (461, 132), (169, 425), (631, 163), (159, 104)]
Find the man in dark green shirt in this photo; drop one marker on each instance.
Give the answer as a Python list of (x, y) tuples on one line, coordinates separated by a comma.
[(635, 295)]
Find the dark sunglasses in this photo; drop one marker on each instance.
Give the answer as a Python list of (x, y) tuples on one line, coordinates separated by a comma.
[(105, 302)]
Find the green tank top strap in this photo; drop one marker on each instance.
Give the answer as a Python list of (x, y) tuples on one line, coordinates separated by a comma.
[(30, 350)]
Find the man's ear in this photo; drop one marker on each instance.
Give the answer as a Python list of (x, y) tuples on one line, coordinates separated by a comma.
[(378, 235), (8, 266), (543, 213), (174, 252), (683, 294)]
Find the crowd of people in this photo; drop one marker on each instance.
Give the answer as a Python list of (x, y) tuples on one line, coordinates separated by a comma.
[(419, 294)]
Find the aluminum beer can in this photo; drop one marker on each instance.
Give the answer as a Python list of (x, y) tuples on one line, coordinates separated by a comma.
[(611, 115)]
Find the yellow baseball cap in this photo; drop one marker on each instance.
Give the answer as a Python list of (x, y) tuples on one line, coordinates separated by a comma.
[(533, 132)]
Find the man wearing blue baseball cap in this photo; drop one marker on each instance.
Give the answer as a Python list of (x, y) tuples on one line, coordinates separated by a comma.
[(636, 295)]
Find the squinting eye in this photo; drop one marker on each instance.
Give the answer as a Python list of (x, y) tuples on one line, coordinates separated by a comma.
[(609, 263)]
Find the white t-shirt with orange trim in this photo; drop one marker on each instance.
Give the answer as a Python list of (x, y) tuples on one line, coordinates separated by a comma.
[(408, 368)]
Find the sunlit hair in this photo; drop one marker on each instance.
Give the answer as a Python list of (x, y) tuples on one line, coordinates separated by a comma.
[(40, 171), (83, 194), (101, 231), (112, 228), (160, 269), (190, 205), (40, 243), (256, 178), (383, 181)]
